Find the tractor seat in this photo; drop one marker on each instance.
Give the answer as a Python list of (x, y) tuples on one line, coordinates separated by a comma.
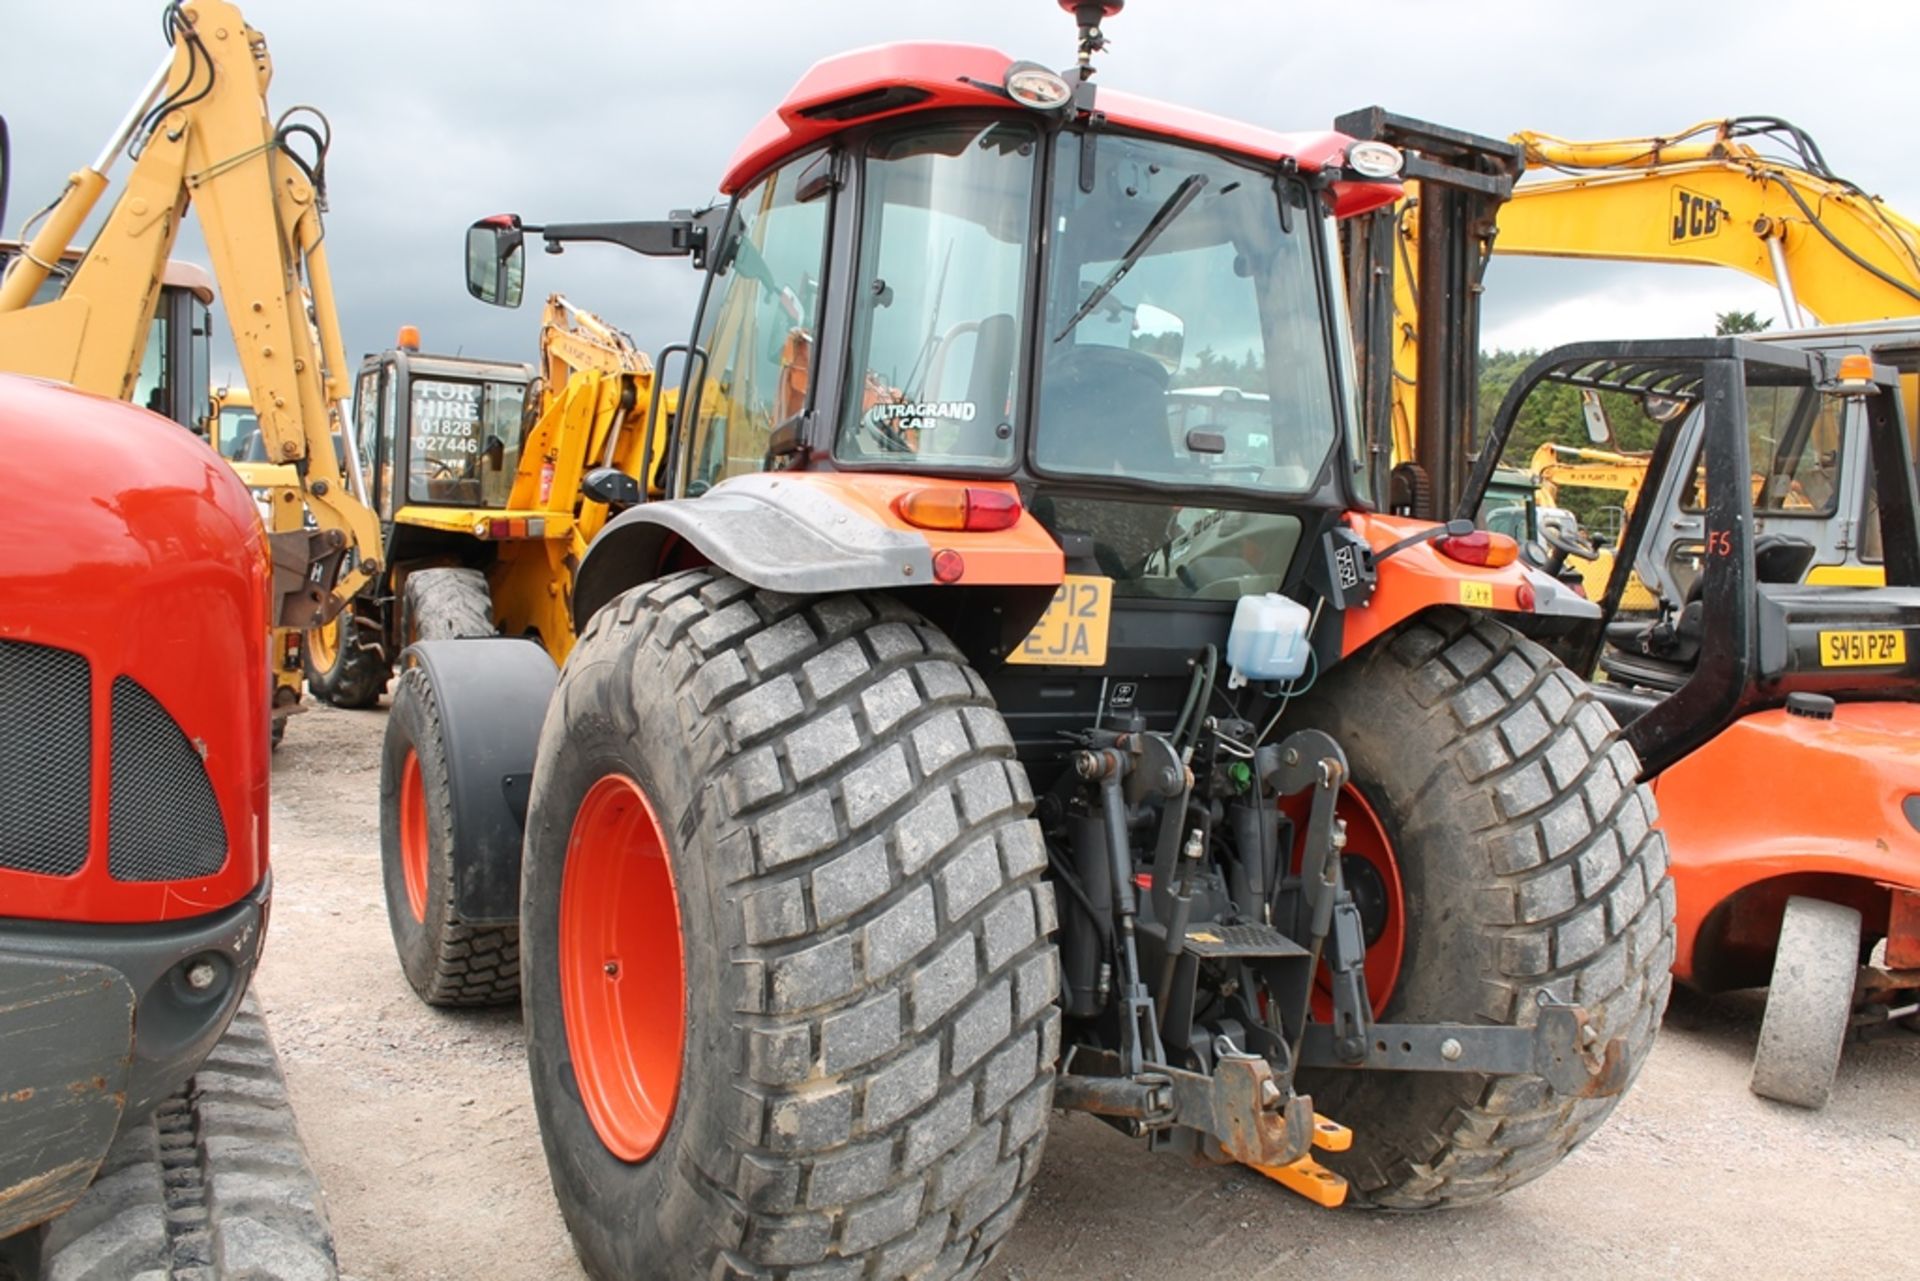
[(1103, 410), (1661, 655)]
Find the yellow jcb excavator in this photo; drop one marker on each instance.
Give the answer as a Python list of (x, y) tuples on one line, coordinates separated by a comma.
[(200, 134), (1750, 193), (1706, 196)]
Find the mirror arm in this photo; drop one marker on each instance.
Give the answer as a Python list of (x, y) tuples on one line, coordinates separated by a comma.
[(676, 237)]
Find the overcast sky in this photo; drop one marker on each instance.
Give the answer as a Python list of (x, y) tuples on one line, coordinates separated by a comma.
[(444, 112)]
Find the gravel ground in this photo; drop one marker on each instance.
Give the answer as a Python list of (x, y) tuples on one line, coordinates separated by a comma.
[(421, 1126)]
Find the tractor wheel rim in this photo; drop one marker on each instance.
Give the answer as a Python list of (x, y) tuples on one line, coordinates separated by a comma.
[(323, 643), (622, 968), (1367, 840), (413, 835)]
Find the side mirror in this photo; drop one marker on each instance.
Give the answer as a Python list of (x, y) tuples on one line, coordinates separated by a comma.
[(496, 260), (1599, 430), (611, 486)]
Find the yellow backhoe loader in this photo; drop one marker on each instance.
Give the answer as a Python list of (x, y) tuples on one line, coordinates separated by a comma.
[(199, 134), (490, 480)]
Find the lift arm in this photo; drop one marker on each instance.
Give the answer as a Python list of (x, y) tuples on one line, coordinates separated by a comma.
[(200, 135)]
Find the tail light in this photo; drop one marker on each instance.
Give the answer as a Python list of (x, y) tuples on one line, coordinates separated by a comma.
[(958, 507), (1481, 547)]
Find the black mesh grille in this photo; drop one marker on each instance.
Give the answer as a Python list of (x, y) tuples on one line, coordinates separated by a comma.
[(163, 823), (46, 742)]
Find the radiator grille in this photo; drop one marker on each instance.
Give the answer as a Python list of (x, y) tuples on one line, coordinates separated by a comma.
[(46, 744), (163, 823)]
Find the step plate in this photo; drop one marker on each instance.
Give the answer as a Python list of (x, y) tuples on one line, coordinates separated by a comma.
[(1240, 942)]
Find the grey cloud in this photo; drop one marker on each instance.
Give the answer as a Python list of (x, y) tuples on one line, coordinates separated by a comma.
[(444, 112)]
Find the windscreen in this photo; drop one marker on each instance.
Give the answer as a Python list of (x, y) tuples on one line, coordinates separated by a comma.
[(463, 441)]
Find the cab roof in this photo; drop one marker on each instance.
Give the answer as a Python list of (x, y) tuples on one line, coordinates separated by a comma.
[(899, 79)]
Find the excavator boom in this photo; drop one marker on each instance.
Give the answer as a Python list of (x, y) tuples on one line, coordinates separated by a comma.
[(200, 136), (1836, 254)]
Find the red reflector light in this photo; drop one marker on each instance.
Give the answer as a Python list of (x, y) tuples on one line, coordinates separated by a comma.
[(1478, 548), (948, 565), (964, 508), (499, 527), (1523, 596)]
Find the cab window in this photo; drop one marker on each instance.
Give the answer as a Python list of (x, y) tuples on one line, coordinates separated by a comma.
[(1793, 449), (938, 315), (463, 440), (757, 329)]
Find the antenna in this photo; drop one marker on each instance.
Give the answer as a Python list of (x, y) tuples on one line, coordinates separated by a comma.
[(1088, 13)]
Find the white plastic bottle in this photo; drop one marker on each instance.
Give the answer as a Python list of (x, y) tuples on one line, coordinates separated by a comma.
[(1268, 641)]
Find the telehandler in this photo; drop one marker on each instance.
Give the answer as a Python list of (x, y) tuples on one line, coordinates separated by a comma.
[(1763, 689), (957, 739)]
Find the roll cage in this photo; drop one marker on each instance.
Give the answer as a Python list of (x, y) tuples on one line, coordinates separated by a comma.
[(1759, 640)]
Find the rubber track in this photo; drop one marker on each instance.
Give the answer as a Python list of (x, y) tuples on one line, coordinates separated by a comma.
[(214, 1187), (899, 1051), (1583, 908)]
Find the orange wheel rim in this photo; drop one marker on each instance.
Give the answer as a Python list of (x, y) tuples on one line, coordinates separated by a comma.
[(413, 835), (622, 968), (1368, 842)]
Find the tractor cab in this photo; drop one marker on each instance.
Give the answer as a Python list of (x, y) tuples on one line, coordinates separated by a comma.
[(1118, 335), (443, 436)]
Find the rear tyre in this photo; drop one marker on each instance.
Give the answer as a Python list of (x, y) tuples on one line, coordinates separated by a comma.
[(817, 801), (446, 604), (1527, 862), (448, 961), (1809, 1003), (341, 670)]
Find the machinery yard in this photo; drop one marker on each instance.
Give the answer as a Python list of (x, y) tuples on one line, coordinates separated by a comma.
[(1037, 744), (420, 1125)]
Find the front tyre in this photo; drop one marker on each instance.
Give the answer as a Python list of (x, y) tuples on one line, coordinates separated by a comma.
[(339, 668), (1525, 862), (1809, 1003), (789, 980), (446, 960)]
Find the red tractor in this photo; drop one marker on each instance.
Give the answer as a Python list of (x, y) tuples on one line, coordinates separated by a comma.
[(134, 755), (979, 728)]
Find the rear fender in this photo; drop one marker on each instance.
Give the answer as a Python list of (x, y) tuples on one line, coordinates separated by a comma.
[(1416, 578), (808, 534), (492, 696), (1778, 804)]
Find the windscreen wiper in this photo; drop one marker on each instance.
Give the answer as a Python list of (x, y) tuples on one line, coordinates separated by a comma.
[(1176, 204)]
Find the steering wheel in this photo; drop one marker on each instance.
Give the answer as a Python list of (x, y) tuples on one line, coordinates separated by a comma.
[(889, 436), (1564, 545)]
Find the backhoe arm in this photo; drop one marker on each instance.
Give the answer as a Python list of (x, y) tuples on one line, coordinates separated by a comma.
[(209, 142)]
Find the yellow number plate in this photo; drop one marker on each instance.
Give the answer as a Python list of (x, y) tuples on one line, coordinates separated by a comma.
[(1862, 649), (1073, 631), (1477, 594)]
